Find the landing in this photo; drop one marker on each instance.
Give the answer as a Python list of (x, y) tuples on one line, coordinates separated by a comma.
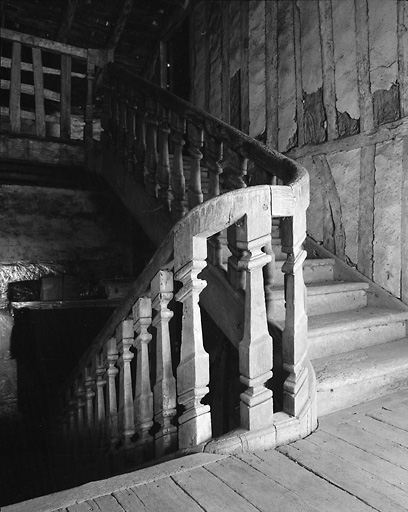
[(357, 460)]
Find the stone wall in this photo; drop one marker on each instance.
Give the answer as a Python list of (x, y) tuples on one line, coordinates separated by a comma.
[(325, 82)]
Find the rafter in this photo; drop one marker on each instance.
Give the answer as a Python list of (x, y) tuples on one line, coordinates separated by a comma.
[(67, 18), (120, 24)]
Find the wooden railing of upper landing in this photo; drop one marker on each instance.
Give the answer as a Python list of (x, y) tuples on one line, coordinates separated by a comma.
[(47, 92), (140, 389)]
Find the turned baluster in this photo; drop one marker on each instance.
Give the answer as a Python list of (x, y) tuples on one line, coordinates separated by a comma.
[(294, 340), (111, 357), (178, 182), (163, 168), (125, 339), (165, 386), (80, 405), (151, 147), (89, 399), (193, 371), (255, 349), (106, 117), (269, 280), (236, 275), (140, 148), (195, 139), (143, 403), (237, 170), (213, 159), (100, 413), (72, 427)]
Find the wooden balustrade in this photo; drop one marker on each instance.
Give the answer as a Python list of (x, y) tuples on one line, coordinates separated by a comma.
[(47, 111), (148, 131)]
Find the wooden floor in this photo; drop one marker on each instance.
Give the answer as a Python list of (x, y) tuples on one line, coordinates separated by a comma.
[(356, 461)]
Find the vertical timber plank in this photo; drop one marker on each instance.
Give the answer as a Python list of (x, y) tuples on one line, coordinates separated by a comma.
[(403, 56), (366, 214), (38, 93), (225, 62), (329, 90), (404, 220), (66, 64), (15, 88), (207, 77), (363, 67), (298, 75), (271, 69), (244, 66)]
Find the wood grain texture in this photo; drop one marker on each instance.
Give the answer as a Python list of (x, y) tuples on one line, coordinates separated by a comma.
[(15, 88), (38, 93), (404, 221), (225, 65), (329, 87), (271, 70), (244, 66), (363, 66), (66, 20), (298, 76), (66, 66)]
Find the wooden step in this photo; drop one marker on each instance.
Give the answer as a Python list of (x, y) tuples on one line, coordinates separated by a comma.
[(326, 297), (360, 375), (314, 270), (340, 332)]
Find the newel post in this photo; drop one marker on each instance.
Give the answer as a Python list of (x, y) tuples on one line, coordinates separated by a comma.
[(193, 372), (294, 340), (256, 348)]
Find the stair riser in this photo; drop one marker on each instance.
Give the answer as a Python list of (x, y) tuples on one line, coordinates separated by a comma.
[(324, 303), (313, 274), (340, 397), (353, 339)]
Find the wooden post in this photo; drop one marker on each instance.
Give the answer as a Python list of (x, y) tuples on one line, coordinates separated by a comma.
[(125, 338), (195, 138), (90, 75), (131, 117), (89, 399), (163, 168), (178, 182), (111, 357), (193, 372), (256, 349), (38, 93), (294, 340), (143, 403), (237, 170), (15, 88), (65, 119), (80, 405), (122, 126), (151, 147), (165, 386), (235, 274), (140, 147), (100, 412)]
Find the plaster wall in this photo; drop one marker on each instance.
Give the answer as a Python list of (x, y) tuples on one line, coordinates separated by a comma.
[(343, 95)]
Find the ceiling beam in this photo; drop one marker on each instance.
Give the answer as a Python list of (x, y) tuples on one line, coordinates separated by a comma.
[(120, 24), (67, 18)]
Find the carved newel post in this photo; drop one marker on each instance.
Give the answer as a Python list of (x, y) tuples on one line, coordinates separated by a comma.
[(193, 372), (256, 348), (165, 387)]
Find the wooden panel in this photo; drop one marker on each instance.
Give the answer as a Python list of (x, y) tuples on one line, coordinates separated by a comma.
[(29, 89), (15, 88), (403, 55), (366, 217), (271, 69), (38, 93), (244, 39), (27, 66), (66, 65), (225, 62), (298, 76), (404, 220)]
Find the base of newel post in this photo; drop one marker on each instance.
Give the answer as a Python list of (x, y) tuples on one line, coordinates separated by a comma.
[(295, 389), (196, 429), (256, 409)]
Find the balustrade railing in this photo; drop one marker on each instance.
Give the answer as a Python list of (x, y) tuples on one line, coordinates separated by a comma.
[(140, 390), (47, 87)]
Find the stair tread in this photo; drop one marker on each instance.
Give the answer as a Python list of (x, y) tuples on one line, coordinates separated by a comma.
[(353, 319), (384, 359), (317, 262), (321, 287)]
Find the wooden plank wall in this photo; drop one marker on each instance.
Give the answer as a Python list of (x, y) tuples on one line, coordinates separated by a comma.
[(325, 82)]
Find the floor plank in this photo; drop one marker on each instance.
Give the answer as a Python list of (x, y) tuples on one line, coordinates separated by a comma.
[(165, 495), (129, 501), (211, 493), (378, 494), (380, 429), (379, 446), (107, 504), (262, 492), (396, 418), (374, 465), (315, 491)]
